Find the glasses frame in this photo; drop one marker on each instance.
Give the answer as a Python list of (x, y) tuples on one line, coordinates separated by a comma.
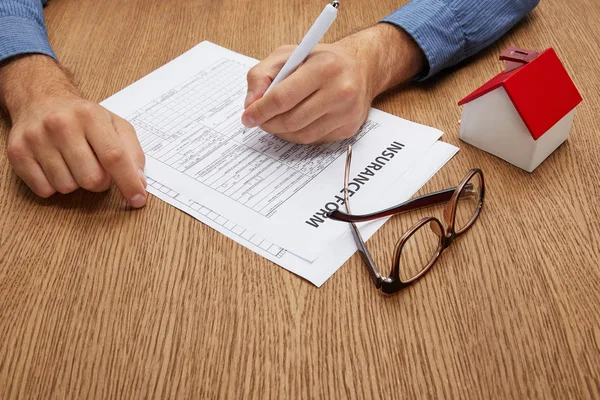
[(445, 230)]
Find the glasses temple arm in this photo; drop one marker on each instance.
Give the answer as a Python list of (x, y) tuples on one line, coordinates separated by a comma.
[(428, 200), (366, 256)]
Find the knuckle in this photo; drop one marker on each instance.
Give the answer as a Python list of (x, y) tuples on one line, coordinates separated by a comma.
[(281, 100), (347, 90), (66, 187), (291, 122), (17, 151), (93, 181), (321, 134), (253, 74), (57, 123), (123, 127), (86, 109), (285, 49), (331, 64), (33, 136), (112, 156)]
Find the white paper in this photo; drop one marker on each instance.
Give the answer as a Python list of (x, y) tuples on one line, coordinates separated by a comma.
[(333, 258), (187, 115)]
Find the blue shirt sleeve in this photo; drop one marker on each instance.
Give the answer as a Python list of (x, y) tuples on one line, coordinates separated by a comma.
[(22, 28), (448, 31)]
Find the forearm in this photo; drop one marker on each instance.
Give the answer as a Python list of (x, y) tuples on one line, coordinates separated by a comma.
[(390, 54), (29, 79), (27, 69), (449, 31)]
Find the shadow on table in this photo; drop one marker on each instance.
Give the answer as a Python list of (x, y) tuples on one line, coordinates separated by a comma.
[(82, 200)]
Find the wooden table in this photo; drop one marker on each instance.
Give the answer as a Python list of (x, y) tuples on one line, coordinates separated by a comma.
[(100, 301)]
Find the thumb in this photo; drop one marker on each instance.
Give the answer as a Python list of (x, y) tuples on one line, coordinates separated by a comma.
[(262, 74)]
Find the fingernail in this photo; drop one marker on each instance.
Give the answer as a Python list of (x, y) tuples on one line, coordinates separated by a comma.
[(143, 176), (137, 201), (248, 121), (249, 97)]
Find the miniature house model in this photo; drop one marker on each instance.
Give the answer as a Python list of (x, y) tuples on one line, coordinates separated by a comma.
[(523, 114)]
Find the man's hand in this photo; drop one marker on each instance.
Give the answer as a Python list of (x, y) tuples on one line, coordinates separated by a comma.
[(326, 99), (329, 96), (60, 142)]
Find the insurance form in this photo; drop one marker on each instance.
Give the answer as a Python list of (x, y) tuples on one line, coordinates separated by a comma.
[(330, 260), (187, 115)]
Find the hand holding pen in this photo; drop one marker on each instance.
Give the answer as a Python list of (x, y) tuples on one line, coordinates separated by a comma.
[(309, 95)]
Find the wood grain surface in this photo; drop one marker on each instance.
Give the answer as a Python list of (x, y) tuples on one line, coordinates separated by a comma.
[(99, 301)]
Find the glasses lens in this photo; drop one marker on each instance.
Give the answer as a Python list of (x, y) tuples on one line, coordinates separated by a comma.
[(468, 204), (420, 250)]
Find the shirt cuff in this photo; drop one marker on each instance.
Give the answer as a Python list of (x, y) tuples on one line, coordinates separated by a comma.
[(20, 35), (433, 25)]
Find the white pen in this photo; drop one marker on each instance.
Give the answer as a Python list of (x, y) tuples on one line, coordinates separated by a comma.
[(308, 43)]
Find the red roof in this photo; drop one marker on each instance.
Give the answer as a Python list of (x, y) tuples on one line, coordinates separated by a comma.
[(541, 91)]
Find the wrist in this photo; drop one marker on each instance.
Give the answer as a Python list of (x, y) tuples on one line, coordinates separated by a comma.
[(389, 56), (30, 80)]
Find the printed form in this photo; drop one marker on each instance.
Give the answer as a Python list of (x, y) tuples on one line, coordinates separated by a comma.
[(187, 117), (329, 261)]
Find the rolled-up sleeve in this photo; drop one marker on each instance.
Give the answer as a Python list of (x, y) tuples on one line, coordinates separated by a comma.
[(448, 31), (22, 28)]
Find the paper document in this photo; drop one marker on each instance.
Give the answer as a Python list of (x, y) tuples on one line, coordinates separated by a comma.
[(187, 115), (332, 259)]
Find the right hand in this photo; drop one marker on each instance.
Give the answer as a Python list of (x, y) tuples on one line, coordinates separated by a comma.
[(329, 96), (326, 99), (60, 142)]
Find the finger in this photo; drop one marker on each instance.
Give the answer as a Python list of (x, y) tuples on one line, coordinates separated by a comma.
[(84, 166), (56, 169), (110, 150), (132, 144), (44, 145), (28, 169), (67, 136), (315, 131), (306, 80), (261, 75), (299, 117)]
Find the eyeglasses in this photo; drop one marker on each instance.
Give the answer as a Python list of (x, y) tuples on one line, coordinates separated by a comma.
[(422, 245)]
